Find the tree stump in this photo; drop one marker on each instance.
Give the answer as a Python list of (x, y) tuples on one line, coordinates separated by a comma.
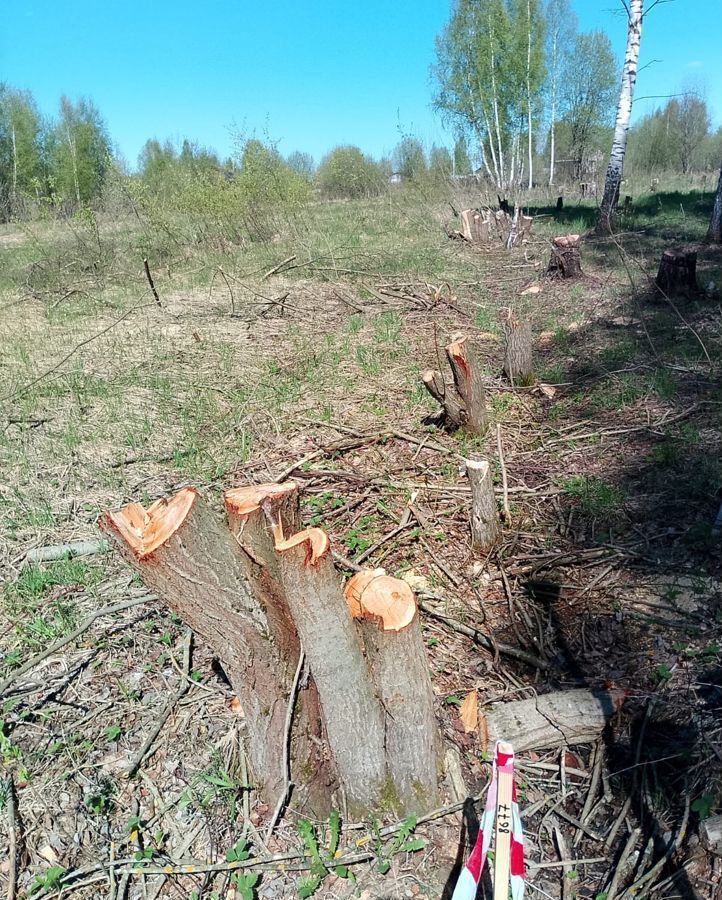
[(485, 527), (352, 713), (560, 204), (464, 405), (249, 510), (565, 260), (517, 349), (387, 614), (677, 273), (710, 832), (191, 561)]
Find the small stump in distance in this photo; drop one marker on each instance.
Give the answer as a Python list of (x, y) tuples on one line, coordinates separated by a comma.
[(485, 527), (565, 260), (517, 349), (677, 273)]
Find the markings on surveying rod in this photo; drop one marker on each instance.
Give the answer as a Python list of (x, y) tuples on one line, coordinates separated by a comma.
[(504, 799)]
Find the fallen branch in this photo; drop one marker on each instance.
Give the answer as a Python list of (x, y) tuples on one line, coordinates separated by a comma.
[(150, 281), (61, 551), (62, 642)]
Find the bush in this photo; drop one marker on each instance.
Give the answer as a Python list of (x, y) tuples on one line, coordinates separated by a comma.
[(347, 172)]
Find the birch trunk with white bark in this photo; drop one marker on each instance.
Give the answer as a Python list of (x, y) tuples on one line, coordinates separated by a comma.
[(624, 112)]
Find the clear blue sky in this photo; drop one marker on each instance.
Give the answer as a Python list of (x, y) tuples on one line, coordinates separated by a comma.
[(308, 73)]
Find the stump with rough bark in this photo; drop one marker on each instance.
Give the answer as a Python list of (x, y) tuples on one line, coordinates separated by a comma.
[(464, 404), (517, 349), (565, 260), (386, 611), (677, 273), (191, 561), (485, 526)]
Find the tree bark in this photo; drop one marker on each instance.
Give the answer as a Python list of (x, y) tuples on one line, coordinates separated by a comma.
[(485, 527), (677, 272), (351, 711), (714, 232), (184, 554), (624, 111), (552, 720), (565, 259), (400, 672), (469, 384), (453, 409), (710, 832), (517, 349), (247, 508)]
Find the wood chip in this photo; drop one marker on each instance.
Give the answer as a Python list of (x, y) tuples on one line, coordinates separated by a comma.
[(469, 712)]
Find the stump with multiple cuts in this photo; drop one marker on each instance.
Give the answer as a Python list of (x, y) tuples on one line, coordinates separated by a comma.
[(677, 273), (485, 526), (386, 611), (464, 404), (192, 562), (363, 720), (482, 227), (565, 260), (517, 349)]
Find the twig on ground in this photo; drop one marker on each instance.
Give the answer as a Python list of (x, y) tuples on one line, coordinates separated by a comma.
[(564, 859), (288, 783), (592, 792), (278, 268), (621, 869), (60, 551), (59, 644), (13, 836), (504, 482), (155, 730)]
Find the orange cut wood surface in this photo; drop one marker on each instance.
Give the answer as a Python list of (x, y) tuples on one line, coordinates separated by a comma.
[(145, 530), (372, 594), (316, 540), (246, 499)]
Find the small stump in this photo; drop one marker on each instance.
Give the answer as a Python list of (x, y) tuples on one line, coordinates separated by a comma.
[(565, 261), (677, 272)]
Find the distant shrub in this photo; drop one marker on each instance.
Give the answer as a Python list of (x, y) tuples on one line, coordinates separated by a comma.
[(348, 173)]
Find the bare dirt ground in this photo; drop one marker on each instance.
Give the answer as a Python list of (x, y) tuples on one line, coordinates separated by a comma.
[(608, 571)]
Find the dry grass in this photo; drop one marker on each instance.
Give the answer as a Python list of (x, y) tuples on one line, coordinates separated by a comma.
[(610, 562)]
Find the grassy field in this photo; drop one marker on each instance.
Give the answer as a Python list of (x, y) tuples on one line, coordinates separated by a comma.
[(313, 343)]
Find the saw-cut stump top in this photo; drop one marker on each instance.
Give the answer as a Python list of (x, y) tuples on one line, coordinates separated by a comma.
[(144, 530), (386, 611), (565, 260), (186, 556)]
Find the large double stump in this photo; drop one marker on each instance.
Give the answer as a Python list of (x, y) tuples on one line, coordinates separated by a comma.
[(362, 732)]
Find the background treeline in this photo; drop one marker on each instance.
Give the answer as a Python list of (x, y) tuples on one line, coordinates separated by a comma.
[(530, 98)]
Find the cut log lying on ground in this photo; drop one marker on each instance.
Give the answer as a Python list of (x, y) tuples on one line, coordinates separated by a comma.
[(352, 713), (677, 273), (518, 366), (249, 510), (710, 832), (386, 610), (565, 260), (485, 526), (464, 405), (552, 720), (191, 561)]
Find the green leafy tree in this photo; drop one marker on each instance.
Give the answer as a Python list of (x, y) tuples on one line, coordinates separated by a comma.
[(561, 28), (20, 148), (588, 92), (693, 127), (441, 164), (347, 172), (462, 162), (409, 159), (528, 29), (79, 152)]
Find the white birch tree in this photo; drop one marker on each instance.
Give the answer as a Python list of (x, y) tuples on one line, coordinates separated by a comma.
[(635, 13)]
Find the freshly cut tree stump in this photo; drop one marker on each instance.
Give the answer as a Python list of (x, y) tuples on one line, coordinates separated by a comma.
[(485, 526), (249, 510), (517, 349), (678, 272), (710, 832), (386, 610), (464, 405), (565, 258), (552, 720), (352, 713), (191, 561)]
